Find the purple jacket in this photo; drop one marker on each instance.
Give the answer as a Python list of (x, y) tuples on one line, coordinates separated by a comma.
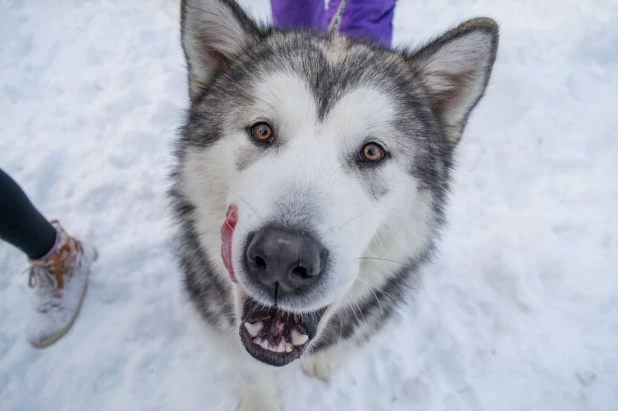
[(370, 19)]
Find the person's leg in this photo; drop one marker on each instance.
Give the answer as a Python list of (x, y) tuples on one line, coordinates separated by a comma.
[(370, 19), (298, 14), (21, 224), (59, 264)]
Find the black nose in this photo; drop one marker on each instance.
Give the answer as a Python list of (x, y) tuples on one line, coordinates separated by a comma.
[(295, 260)]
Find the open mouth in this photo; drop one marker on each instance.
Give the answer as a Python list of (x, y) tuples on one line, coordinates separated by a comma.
[(276, 337)]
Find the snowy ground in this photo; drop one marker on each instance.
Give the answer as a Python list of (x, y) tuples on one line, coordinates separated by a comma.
[(519, 312)]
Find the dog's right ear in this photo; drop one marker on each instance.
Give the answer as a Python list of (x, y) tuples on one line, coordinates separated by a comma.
[(213, 32)]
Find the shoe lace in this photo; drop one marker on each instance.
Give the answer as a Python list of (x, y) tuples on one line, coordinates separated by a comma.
[(42, 274)]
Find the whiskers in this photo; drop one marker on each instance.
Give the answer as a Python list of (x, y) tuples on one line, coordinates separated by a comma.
[(243, 200), (349, 221), (384, 259), (374, 294), (356, 316)]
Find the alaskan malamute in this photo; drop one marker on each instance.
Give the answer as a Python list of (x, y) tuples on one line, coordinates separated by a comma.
[(312, 176)]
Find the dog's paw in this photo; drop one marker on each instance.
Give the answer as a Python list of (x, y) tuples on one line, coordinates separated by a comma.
[(318, 369), (248, 405)]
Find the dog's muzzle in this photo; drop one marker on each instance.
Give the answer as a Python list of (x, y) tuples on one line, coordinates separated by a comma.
[(281, 263)]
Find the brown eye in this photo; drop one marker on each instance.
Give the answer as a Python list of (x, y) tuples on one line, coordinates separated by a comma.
[(261, 132), (372, 153)]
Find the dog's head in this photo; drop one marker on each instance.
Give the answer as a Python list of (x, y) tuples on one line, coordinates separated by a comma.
[(316, 165)]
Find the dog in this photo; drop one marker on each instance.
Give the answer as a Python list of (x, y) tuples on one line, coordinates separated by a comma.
[(312, 175)]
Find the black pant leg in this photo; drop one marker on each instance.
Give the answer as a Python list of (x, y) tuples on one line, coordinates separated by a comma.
[(20, 223)]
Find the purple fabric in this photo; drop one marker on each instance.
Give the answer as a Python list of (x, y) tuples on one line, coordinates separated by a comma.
[(370, 19), (296, 14)]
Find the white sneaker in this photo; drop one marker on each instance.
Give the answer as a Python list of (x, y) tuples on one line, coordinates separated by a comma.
[(59, 280)]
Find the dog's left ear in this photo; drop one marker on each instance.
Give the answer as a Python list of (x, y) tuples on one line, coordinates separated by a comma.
[(455, 69), (214, 33)]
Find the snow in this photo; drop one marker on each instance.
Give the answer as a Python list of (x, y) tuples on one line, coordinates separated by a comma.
[(518, 312)]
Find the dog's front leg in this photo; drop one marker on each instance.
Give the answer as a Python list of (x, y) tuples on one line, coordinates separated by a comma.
[(259, 392), (319, 367)]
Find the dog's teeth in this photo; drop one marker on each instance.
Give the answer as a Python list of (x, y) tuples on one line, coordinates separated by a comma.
[(257, 341), (288, 349), (264, 344), (298, 338), (253, 329), (281, 348)]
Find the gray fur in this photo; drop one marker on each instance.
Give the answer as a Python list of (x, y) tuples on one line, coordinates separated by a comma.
[(223, 86)]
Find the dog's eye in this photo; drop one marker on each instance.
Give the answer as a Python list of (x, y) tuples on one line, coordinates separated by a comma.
[(372, 153), (261, 132)]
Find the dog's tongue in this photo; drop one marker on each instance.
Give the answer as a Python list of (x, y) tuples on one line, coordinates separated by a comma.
[(227, 230)]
